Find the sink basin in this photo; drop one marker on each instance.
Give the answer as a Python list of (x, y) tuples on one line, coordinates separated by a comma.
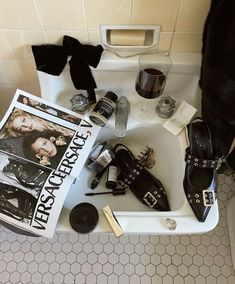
[(168, 168), (133, 216)]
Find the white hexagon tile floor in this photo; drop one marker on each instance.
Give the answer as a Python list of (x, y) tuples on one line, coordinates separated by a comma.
[(93, 258)]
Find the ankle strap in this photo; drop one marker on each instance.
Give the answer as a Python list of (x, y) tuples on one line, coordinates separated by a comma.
[(201, 163)]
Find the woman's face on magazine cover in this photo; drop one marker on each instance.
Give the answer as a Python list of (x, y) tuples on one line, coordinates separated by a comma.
[(44, 147), (28, 101), (25, 123)]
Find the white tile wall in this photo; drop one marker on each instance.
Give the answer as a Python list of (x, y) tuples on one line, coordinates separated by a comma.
[(56, 37), (161, 12), (20, 42), (15, 16), (62, 15), (5, 50), (107, 12), (189, 40), (192, 15)]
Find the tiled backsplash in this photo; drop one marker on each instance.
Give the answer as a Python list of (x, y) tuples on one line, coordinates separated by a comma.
[(43, 21)]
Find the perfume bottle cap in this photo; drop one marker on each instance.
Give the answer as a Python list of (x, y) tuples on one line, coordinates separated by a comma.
[(83, 218), (112, 96)]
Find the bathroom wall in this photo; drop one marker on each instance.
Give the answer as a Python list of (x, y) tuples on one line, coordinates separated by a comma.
[(41, 21)]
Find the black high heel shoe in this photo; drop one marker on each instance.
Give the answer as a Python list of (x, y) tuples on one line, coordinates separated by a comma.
[(200, 180), (146, 187)]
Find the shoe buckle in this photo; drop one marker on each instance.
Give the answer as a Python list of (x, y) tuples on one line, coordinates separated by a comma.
[(150, 199), (208, 197)]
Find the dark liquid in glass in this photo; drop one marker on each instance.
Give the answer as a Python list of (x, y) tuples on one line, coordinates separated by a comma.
[(150, 83)]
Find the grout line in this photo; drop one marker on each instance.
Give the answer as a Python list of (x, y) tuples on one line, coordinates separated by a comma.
[(9, 46), (175, 23), (40, 19), (85, 18), (177, 15), (131, 12)]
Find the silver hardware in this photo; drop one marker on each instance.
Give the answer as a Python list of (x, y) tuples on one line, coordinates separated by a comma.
[(150, 199), (165, 107), (220, 162), (79, 103), (146, 158), (171, 224), (208, 197)]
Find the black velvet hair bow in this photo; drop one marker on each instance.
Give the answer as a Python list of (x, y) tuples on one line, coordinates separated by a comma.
[(52, 59)]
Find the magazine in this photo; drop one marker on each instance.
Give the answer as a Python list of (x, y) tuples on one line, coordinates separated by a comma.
[(43, 148)]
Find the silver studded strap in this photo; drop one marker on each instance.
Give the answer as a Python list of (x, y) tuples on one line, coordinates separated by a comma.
[(202, 163)]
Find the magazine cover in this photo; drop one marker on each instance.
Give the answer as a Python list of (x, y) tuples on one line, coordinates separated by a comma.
[(47, 134), (31, 197), (43, 148)]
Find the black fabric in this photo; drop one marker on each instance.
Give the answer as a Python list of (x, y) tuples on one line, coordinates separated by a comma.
[(217, 73), (198, 176), (146, 187), (49, 58), (12, 145), (52, 59)]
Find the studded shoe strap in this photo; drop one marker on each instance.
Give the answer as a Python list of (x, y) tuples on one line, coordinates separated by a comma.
[(205, 197), (150, 198), (131, 177), (202, 163)]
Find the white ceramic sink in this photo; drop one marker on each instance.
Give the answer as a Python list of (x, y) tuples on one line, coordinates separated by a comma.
[(134, 217)]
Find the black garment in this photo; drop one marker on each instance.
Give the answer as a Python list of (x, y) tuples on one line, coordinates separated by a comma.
[(217, 74), (28, 176), (26, 202), (12, 145), (52, 59)]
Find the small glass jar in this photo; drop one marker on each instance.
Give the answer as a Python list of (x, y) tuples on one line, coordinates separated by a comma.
[(165, 107), (79, 103), (104, 109)]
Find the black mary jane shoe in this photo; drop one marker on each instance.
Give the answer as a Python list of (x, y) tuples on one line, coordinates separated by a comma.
[(200, 180), (146, 187)]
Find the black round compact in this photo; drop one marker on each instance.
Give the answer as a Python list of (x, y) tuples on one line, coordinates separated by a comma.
[(83, 217)]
